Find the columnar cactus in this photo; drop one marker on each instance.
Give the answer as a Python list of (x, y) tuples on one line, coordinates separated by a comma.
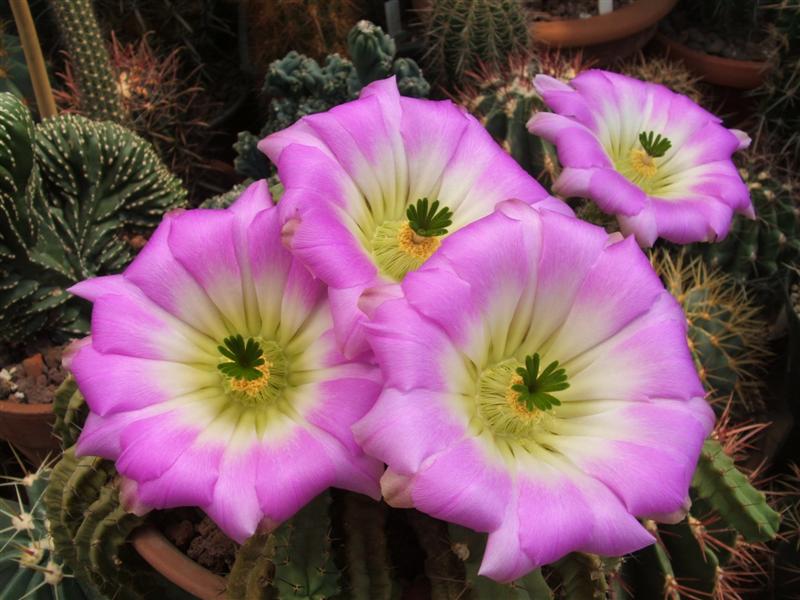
[(71, 189), (462, 34), (30, 567), (298, 85), (81, 32)]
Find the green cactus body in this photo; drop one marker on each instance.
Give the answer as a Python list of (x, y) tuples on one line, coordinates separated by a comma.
[(70, 410), (30, 567), (297, 85), (504, 104), (728, 491), (463, 34), (365, 547), (467, 546), (583, 576), (726, 333), (70, 190), (757, 248), (89, 57), (253, 571), (14, 76)]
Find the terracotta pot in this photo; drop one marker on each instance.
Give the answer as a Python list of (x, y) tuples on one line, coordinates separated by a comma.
[(728, 72), (29, 429), (174, 565)]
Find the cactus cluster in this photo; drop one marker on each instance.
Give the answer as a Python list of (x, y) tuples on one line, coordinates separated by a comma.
[(90, 528), (29, 565), (87, 51), (727, 334), (71, 189), (655, 69), (298, 85), (462, 35)]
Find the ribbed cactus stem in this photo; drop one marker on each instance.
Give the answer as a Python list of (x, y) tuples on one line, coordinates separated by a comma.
[(90, 61), (445, 572), (366, 549)]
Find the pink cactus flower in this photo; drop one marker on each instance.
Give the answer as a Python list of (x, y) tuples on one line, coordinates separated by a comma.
[(351, 174), (538, 387), (213, 377), (654, 158)]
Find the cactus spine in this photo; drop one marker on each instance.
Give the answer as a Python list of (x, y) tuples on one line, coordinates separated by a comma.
[(461, 34), (71, 410), (89, 56)]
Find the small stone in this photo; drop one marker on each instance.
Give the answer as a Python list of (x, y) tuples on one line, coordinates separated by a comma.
[(33, 365)]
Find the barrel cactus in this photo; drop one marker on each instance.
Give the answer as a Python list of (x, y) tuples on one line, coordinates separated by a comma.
[(727, 334), (30, 567), (71, 191), (461, 35), (756, 249), (297, 85)]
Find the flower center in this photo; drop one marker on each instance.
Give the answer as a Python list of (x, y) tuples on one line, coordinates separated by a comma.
[(639, 164), (642, 163), (514, 401), (254, 372)]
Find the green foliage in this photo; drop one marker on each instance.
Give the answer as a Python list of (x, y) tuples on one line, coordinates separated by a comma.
[(71, 189), (462, 35), (30, 567), (243, 357), (728, 491), (89, 58), (297, 85), (758, 248), (90, 531), (429, 221)]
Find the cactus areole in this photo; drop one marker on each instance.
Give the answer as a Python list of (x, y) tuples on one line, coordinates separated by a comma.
[(373, 186), (212, 375), (655, 159), (529, 397)]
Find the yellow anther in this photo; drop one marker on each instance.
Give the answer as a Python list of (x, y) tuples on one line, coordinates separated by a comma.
[(252, 387)]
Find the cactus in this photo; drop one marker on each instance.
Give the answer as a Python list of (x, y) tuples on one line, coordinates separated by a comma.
[(462, 34), (30, 567), (70, 190), (293, 562), (779, 110), (79, 28), (90, 530), (14, 77), (727, 336), (297, 86), (70, 410), (758, 248), (664, 71)]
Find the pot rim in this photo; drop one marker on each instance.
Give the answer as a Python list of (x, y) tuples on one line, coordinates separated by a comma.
[(174, 565), (618, 24)]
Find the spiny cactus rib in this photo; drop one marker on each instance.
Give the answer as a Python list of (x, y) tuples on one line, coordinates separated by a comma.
[(695, 565), (365, 547), (583, 576), (253, 570), (728, 491), (89, 57), (460, 34), (29, 565), (70, 410), (445, 572), (468, 546)]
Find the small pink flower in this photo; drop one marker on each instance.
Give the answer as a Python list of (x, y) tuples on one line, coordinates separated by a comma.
[(654, 158)]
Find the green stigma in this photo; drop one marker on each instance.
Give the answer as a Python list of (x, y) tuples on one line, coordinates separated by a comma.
[(244, 357), (534, 389), (655, 145), (429, 220)]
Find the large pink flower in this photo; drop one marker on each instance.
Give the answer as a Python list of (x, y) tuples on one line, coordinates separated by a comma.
[(249, 428), (351, 173), (479, 427), (654, 158)]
